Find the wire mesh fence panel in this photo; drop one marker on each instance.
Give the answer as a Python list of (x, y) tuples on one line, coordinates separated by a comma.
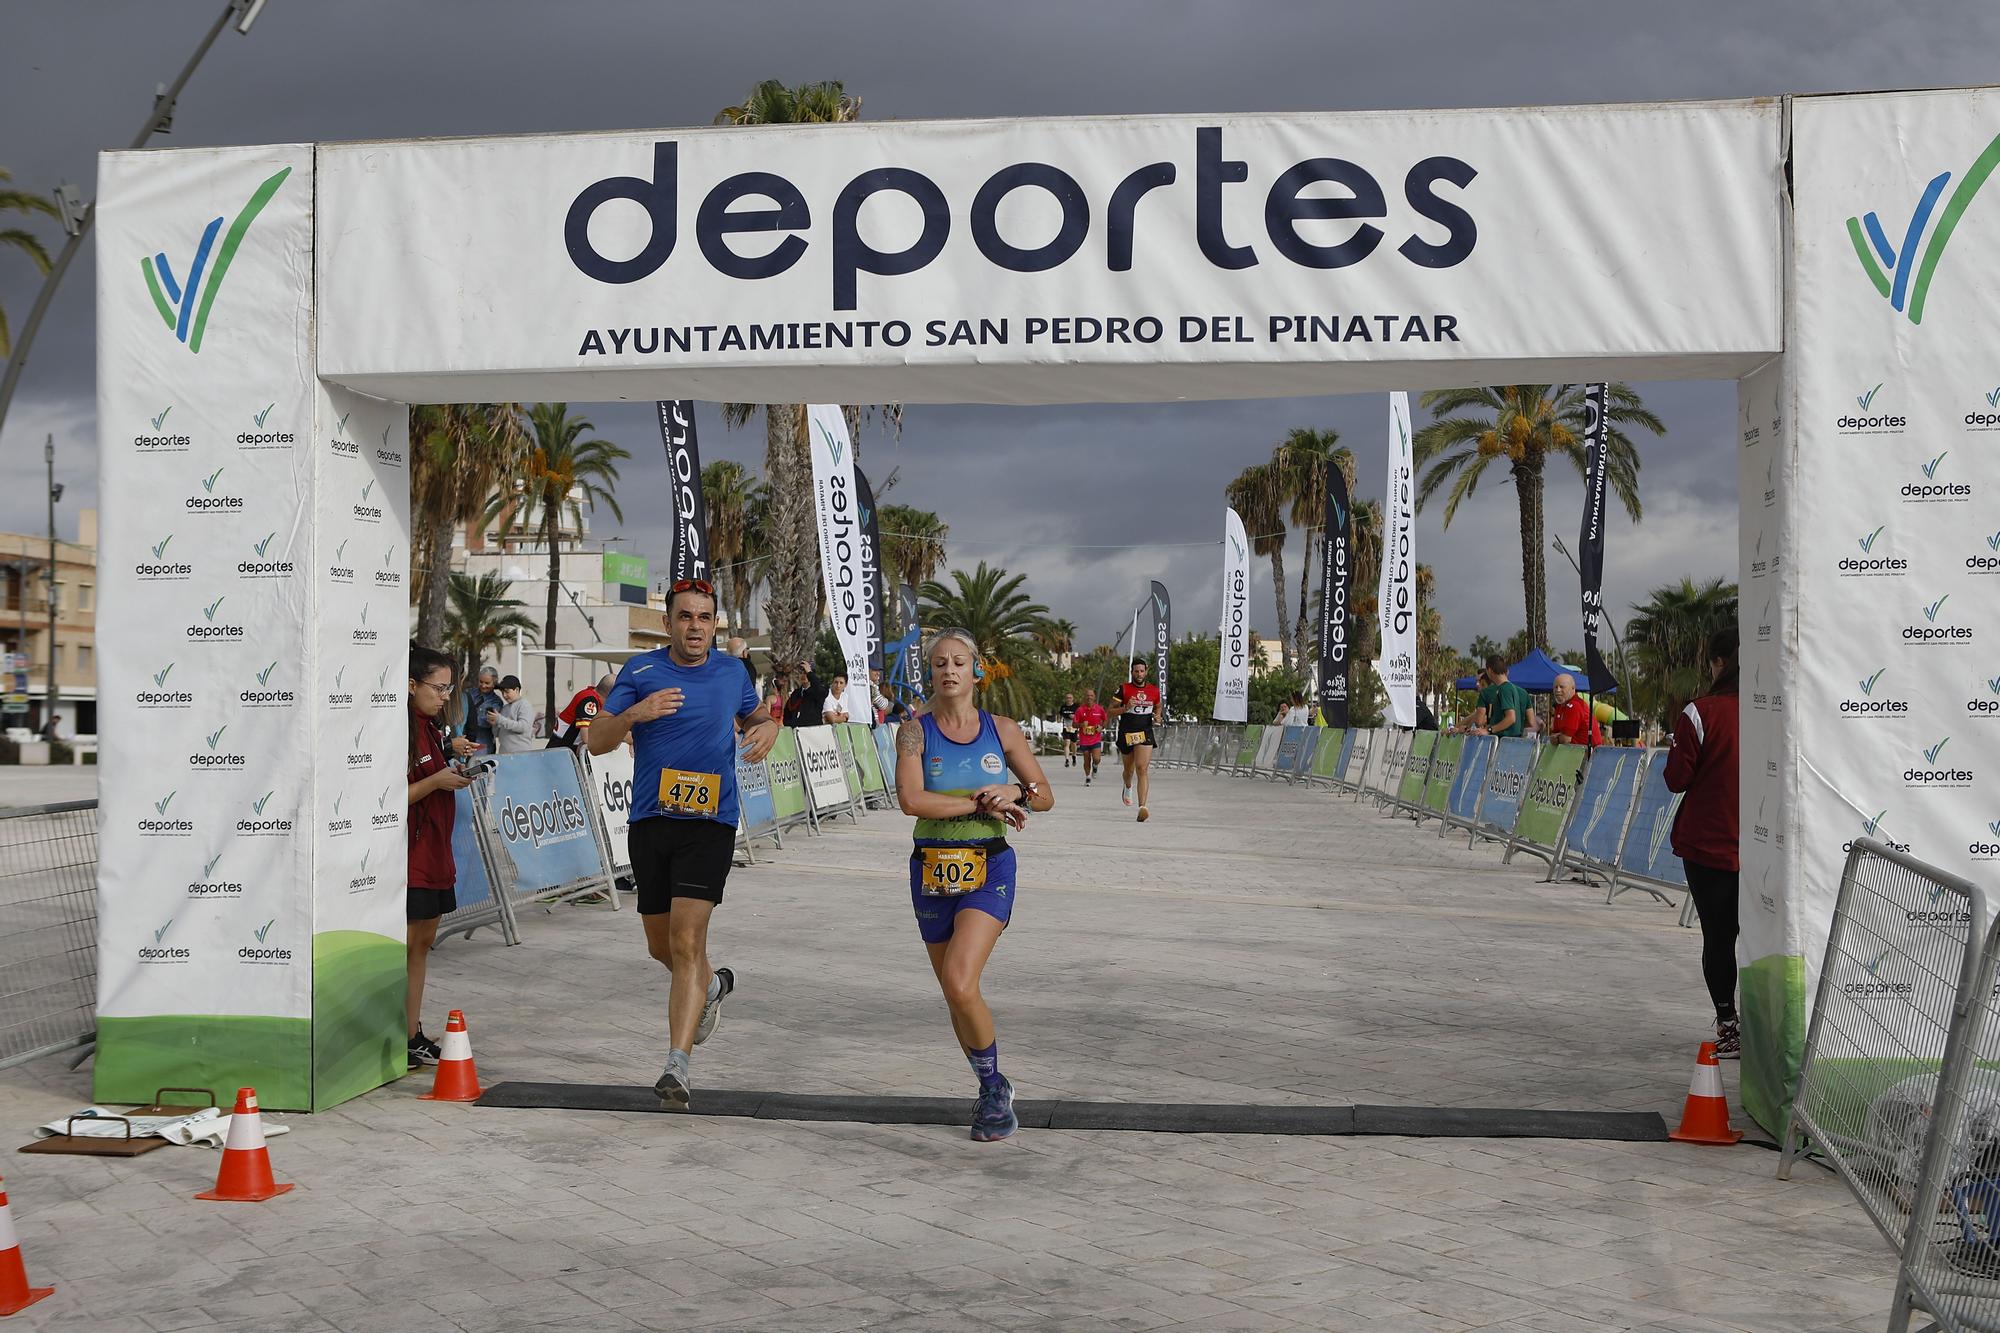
[(1897, 957), (48, 929), (1951, 1265)]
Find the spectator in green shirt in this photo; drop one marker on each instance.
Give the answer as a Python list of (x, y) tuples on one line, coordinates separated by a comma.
[(1503, 706)]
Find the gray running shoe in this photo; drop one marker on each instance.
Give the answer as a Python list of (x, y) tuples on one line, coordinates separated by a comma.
[(711, 1011), (676, 1086)]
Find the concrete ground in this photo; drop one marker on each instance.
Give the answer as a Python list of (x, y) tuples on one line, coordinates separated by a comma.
[(46, 784), (1254, 942)]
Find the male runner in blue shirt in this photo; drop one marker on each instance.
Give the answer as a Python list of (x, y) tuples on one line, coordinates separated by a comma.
[(682, 705)]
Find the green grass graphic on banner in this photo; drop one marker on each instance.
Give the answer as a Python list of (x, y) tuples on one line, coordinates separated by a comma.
[(136, 1057), (1552, 789), (358, 1029), (1411, 790), (1773, 994)]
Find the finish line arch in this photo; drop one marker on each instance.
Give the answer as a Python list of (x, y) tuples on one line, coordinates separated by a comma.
[(291, 299)]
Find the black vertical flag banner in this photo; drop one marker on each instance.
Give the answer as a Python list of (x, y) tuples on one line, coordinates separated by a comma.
[(1590, 543), (690, 551), (912, 657), (1163, 634), (871, 567), (1336, 571)]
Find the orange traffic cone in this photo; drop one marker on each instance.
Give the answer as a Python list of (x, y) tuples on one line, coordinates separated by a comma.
[(245, 1176), (1706, 1116), (15, 1293), (457, 1077)]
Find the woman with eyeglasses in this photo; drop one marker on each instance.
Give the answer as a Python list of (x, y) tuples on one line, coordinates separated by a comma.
[(434, 783), (951, 773)]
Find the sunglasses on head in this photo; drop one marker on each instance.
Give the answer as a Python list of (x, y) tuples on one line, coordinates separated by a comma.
[(702, 586)]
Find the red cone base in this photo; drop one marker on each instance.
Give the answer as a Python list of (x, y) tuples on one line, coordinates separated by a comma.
[(245, 1176)]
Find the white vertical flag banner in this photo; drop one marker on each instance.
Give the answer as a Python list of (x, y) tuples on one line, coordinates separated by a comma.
[(1232, 670), (836, 503), (1397, 593)]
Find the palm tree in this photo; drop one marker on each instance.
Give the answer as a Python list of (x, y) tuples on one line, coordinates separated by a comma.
[(990, 605), (1668, 639), (460, 454), (560, 471), (1437, 665), (791, 530), (727, 491), (1526, 423), (20, 238), (1257, 496), (481, 616), (1301, 461), (912, 544)]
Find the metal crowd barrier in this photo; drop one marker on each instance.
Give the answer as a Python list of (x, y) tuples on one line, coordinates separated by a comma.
[(48, 929), (1898, 1085)]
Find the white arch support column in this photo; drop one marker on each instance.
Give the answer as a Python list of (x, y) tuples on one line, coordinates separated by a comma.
[(254, 565), (1870, 486)]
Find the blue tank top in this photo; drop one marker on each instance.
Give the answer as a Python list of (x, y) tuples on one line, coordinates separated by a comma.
[(959, 770)]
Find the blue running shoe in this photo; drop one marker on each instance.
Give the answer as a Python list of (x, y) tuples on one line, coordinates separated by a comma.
[(994, 1118)]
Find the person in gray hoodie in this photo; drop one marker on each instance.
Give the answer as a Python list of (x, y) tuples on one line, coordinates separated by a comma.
[(513, 722)]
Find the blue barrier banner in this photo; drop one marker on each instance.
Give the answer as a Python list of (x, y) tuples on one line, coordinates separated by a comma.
[(538, 806), (1507, 782), (885, 754), (1471, 776), (1606, 796), (1648, 849), (759, 815), (1288, 750), (473, 888), (1346, 754)]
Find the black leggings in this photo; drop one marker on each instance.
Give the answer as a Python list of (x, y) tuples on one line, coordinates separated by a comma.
[(1714, 894)]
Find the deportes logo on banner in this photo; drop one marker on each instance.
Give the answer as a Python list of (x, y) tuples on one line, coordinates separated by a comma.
[(1590, 543), (1335, 571), (1398, 589), (690, 549), (871, 575), (837, 505), (1232, 675), (1163, 635)]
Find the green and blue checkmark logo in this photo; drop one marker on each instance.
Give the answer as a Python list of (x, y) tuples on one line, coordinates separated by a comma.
[(1897, 272), (161, 419), (265, 544), (1867, 398), (185, 306), (160, 676), (1868, 685), (259, 416), (1930, 468), (265, 929), (208, 866), (208, 482), (208, 612), (160, 806), (1931, 752), (160, 546), (1867, 543), (264, 676), (161, 933), (215, 737), (1931, 611)]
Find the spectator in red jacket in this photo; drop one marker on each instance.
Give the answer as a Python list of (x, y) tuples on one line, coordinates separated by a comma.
[(1702, 766), (433, 871), (1571, 721)]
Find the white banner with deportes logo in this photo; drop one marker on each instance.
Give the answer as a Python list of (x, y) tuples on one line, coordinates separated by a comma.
[(1191, 257), (1232, 670), (842, 560), (244, 938), (1871, 566), (825, 771), (1396, 591)]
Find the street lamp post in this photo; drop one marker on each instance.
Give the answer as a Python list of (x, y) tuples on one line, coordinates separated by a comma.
[(76, 221), (55, 494)]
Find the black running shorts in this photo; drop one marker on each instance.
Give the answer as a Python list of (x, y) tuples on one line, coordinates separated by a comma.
[(1133, 732), (428, 904), (679, 858)]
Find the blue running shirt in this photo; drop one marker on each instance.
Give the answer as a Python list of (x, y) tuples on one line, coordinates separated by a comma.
[(700, 738), (960, 770)]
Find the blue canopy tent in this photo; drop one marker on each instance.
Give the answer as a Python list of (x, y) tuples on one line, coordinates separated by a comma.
[(1536, 673)]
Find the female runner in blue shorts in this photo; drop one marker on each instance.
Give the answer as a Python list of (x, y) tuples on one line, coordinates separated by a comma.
[(951, 773)]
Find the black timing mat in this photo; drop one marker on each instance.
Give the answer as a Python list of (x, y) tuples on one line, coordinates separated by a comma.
[(1158, 1117)]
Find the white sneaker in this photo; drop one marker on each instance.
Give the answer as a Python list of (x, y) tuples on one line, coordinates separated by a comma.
[(1128, 795), (711, 1011)]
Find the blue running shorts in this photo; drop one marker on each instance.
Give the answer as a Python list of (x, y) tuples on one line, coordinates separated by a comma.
[(935, 914)]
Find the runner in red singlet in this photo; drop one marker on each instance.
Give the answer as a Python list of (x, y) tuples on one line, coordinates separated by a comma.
[(1137, 703)]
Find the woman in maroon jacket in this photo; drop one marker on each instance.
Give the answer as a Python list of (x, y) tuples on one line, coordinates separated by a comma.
[(433, 871), (1702, 765)]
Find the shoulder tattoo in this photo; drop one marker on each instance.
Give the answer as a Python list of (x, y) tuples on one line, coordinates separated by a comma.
[(910, 737)]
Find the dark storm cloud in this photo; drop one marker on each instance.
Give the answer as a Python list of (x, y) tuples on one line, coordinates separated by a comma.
[(1028, 488)]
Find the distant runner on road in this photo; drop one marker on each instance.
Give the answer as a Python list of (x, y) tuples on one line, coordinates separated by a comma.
[(951, 773), (1134, 709), (1068, 712), (1090, 720)]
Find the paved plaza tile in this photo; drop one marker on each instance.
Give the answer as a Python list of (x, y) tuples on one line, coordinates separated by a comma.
[(1255, 942)]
